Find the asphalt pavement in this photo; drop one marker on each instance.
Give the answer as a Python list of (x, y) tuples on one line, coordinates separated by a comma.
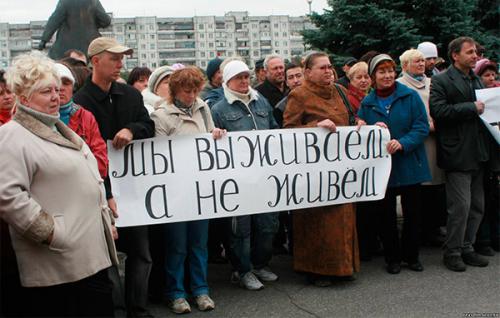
[(435, 292)]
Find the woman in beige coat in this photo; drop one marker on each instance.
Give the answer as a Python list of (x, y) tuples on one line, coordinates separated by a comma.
[(185, 113), (433, 193), (52, 197)]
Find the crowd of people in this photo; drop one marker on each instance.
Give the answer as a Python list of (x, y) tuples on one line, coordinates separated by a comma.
[(57, 211)]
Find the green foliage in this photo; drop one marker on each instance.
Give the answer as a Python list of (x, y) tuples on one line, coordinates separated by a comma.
[(353, 27)]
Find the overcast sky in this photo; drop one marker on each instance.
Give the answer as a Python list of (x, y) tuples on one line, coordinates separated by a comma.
[(21, 11)]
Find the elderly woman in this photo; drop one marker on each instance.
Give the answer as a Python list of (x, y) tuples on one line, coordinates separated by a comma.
[(359, 84), (325, 241), (52, 197), (6, 101), (488, 72), (433, 193), (157, 91), (81, 121), (403, 112), (184, 114)]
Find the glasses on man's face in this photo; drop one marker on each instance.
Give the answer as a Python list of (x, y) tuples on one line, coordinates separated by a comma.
[(326, 67)]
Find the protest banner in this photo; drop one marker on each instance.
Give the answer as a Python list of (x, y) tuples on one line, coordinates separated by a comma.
[(491, 115), (182, 178)]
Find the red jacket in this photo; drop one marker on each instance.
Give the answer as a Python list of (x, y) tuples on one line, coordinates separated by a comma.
[(84, 124)]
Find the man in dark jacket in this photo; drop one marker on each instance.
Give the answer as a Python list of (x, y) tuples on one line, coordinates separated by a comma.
[(76, 23), (462, 151), (120, 113), (274, 88)]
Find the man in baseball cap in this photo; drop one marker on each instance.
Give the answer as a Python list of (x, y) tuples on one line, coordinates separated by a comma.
[(110, 45)]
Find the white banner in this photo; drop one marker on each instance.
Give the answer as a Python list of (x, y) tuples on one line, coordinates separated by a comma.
[(182, 178)]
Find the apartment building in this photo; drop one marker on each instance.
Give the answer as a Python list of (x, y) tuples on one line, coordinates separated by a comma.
[(191, 41)]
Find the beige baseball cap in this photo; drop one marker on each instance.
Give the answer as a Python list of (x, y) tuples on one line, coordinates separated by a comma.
[(111, 45)]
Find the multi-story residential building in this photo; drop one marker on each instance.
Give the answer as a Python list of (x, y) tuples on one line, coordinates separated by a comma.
[(192, 41)]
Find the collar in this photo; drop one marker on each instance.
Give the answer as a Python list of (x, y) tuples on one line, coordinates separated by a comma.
[(99, 94), (272, 86), (171, 109), (401, 91), (455, 71), (413, 81), (232, 96), (66, 137), (322, 91)]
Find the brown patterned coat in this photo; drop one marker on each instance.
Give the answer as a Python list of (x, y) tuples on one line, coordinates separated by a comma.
[(325, 239)]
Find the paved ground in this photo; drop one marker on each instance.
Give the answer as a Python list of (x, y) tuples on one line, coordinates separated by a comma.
[(436, 292)]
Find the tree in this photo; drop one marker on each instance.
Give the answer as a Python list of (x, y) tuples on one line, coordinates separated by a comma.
[(355, 27)]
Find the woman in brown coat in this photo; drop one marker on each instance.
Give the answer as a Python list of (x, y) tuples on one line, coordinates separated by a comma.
[(325, 240)]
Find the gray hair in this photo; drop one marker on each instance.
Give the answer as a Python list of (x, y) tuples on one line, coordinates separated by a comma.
[(272, 57)]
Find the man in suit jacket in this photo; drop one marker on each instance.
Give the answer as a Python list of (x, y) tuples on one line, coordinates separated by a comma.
[(462, 151), (76, 23)]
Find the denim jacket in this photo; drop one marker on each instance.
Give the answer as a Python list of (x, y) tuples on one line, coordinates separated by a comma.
[(232, 114)]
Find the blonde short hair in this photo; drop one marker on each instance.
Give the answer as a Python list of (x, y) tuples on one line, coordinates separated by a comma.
[(358, 67), (31, 72), (410, 55)]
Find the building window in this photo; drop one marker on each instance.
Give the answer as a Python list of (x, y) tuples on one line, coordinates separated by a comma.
[(276, 25), (276, 43), (211, 44), (143, 46), (143, 36), (151, 27), (285, 34), (152, 36), (255, 53), (200, 26), (141, 27), (202, 44), (143, 56), (202, 36), (210, 36), (203, 64), (276, 34), (212, 54), (153, 55), (202, 54), (153, 65), (152, 46)]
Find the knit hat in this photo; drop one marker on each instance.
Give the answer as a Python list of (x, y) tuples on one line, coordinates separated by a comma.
[(111, 45), (234, 68), (484, 64), (376, 60), (64, 71), (213, 67), (159, 74), (429, 49)]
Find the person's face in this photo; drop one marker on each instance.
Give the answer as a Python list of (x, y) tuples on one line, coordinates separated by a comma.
[(217, 79), (141, 84), (430, 63), (294, 77), (44, 100), (78, 57), (6, 97), (416, 66), (467, 57), (276, 71), (65, 91), (488, 78), (163, 89), (260, 74), (384, 77), (240, 83), (361, 80), (108, 65), (187, 96), (321, 71)]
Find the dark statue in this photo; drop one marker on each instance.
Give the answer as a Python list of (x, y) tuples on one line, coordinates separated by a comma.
[(77, 23)]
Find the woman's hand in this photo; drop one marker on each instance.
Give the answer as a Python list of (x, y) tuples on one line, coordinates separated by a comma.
[(381, 124), (114, 232), (359, 123), (393, 146), (328, 124), (218, 133)]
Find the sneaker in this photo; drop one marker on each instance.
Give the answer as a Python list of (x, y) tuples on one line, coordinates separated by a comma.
[(205, 303), (250, 282), (180, 306), (474, 259), (235, 277), (265, 274), (454, 263)]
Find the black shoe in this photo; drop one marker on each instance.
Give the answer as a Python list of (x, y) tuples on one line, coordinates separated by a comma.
[(417, 266), (454, 263), (393, 268), (139, 313), (474, 259), (485, 251)]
